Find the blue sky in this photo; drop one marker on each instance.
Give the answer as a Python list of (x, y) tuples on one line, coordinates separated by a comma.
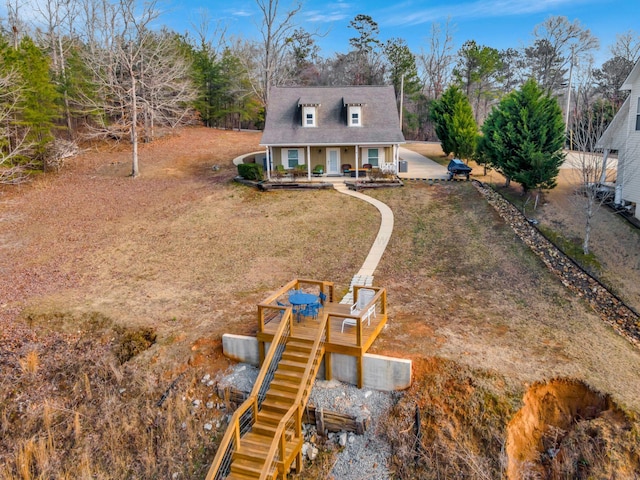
[(494, 23)]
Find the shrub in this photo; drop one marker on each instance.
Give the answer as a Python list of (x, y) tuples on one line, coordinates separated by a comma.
[(250, 171), (132, 342)]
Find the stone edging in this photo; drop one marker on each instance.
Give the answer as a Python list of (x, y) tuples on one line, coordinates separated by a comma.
[(609, 307)]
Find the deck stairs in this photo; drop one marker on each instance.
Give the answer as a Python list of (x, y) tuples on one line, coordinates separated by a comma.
[(267, 437)]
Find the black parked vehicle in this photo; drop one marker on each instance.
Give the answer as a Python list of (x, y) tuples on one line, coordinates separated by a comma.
[(458, 167)]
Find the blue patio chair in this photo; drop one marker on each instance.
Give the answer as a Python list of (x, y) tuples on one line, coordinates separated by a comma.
[(323, 298), (310, 310), (294, 309)]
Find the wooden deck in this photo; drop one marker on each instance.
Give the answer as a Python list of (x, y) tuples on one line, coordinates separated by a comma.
[(353, 341), (273, 410), (336, 341)]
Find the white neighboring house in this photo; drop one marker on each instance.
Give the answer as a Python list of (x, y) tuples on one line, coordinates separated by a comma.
[(623, 135)]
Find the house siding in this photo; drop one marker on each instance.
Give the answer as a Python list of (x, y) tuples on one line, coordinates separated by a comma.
[(622, 135), (630, 152), (318, 155)]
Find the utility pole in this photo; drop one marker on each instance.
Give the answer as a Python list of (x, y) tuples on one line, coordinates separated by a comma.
[(401, 98), (566, 113)]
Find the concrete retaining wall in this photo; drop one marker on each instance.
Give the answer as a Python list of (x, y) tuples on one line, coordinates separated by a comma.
[(379, 372)]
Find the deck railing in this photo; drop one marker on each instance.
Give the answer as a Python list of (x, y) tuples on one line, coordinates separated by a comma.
[(291, 423), (380, 302), (245, 416)]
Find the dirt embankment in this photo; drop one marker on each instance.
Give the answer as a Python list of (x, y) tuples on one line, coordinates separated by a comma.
[(567, 430)]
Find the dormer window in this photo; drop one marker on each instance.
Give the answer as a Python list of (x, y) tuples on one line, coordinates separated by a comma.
[(309, 111), (354, 116), (354, 112), (309, 116)]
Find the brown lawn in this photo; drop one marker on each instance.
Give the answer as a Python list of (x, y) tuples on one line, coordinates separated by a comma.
[(90, 257)]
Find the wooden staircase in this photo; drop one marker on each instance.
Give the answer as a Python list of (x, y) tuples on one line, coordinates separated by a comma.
[(264, 436), (249, 459)]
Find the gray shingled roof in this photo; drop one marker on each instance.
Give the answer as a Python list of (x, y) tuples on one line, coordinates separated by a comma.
[(380, 121)]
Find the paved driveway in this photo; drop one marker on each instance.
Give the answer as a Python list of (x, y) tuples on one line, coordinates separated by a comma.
[(421, 167)]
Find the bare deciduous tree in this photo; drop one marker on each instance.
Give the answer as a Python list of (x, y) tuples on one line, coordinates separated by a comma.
[(558, 42), (134, 71), (594, 175), (627, 46), (437, 62), (275, 29)]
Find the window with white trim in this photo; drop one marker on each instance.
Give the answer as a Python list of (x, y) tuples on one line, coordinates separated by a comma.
[(638, 116), (373, 157), (308, 116), (355, 116), (293, 158)]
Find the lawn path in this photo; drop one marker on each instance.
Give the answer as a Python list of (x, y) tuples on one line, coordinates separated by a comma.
[(365, 274)]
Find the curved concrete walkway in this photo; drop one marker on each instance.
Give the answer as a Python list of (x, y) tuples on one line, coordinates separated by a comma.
[(365, 274)]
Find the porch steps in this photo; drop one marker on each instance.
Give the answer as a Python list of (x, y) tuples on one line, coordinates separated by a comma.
[(363, 280), (249, 458)]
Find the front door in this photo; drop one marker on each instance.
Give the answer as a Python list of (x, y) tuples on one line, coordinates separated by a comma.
[(333, 161)]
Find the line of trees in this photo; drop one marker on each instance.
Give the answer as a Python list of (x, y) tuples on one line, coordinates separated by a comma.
[(103, 68)]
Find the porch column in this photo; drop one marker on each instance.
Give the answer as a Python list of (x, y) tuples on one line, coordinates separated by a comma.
[(268, 154), (620, 177), (603, 174), (309, 162), (357, 158), (396, 157)]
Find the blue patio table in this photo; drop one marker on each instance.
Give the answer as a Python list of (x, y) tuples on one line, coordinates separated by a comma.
[(301, 300)]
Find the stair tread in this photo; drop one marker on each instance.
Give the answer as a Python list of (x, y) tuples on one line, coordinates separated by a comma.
[(297, 380), (291, 365), (300, 341), (276, 400), (239, 476), (296, 356)]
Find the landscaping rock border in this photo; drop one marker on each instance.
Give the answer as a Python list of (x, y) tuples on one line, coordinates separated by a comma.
[(608, 306), (363, 185)]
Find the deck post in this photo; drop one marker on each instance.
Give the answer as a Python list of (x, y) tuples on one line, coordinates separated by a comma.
[(359, 371), (261, 352), (328, 375)]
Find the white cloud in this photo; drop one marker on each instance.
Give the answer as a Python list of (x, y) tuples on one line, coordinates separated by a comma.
[(241, 12), (477, 9), (330, 13)]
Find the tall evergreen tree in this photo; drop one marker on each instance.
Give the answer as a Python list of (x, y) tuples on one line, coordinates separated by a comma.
[(37, 110), (523, 138), (454, 123)]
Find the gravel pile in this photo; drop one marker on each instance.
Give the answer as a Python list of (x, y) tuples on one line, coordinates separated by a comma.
[(362, 456)]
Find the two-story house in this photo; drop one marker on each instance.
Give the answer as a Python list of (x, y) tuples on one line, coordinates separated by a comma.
[(332, 127), (623, 135)]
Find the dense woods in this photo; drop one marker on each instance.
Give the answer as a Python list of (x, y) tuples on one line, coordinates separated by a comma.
[(84, 69)]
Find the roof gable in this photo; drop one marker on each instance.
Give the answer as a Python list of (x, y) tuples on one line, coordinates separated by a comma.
[(632, 78), (616, 129), (380, 124)]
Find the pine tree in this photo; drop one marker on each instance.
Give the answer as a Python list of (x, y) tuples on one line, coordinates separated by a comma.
[(523, 138), (454, 123), (38, 109)]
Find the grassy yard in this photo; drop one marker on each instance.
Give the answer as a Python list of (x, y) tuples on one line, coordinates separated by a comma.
[(115, 290)]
